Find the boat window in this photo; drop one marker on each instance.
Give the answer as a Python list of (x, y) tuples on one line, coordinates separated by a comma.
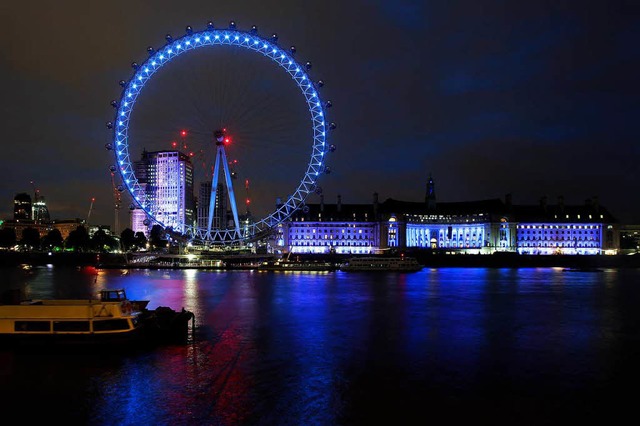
[(71, 326), (112, 324), (32, 326)]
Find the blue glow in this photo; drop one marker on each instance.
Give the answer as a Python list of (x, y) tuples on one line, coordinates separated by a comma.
[(207, 38), (188, 43), (246, 39), (198, 40), (135, 86), (179, 46), (226, 37), (161, 56), (217, 37), (236, 37), (153, 63)]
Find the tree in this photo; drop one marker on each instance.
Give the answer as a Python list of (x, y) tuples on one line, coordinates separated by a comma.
[(128, 239), (78, 239), (8, 237), (156, 238), (103, 242), (53, 240), (31, 238), (141, 240)]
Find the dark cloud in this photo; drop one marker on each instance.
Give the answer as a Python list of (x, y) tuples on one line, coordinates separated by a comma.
[(491, 97)]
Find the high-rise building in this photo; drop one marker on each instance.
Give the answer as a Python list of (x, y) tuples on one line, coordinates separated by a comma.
[(40, 211), (22, 206), (166, 179), (221, 215)]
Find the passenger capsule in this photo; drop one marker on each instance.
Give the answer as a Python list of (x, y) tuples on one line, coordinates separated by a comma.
[(122, 83), (332, 126), (210, 25), (308, 65), (332, 148), (109, 147), (274, 38), (134, 65), (114, 104), (120, 188), (328, 104), (292, 49), (188, 29), (150, 50), (232, 25), (168, 38), (109, 125), (318, 190), (320, 83), (254, 29), (327, 170)]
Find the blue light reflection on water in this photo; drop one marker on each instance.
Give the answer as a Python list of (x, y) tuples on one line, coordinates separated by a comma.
[(335, 348)]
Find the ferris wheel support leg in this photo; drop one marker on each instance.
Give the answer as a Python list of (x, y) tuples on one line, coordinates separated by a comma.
[(214, 188), (232, 197)]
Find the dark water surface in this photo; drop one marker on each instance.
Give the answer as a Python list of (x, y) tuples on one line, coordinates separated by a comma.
[(442, 346)]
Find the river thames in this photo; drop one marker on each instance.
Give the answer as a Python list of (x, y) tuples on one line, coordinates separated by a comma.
[(509, 346)]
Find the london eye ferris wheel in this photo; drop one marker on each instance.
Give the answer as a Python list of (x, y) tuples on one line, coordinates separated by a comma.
[(198, 107)]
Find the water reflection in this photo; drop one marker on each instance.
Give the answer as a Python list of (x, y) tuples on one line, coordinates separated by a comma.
[(511, 345)]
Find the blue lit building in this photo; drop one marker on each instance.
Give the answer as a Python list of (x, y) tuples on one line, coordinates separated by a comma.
[(473, 227), (167, 179)]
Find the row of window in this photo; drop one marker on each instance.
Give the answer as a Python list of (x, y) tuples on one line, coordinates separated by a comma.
[(71, 326)]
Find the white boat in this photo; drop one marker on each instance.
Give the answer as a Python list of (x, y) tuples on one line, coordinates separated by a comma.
[(110, 320), (297, 265), (381, 263)]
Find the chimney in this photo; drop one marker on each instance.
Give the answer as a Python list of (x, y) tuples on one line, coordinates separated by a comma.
[(375, 206), (339, 205), (543, 203), (596, 205), (561, 203)]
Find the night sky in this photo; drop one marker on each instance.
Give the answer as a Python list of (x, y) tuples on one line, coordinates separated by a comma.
[(489, 97)]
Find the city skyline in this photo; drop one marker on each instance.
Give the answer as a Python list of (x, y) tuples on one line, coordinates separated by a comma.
[(533, 100)]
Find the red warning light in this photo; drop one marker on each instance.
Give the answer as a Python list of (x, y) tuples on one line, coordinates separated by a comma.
[(183, 133), (227, 140), (191, 154), (174, 144)]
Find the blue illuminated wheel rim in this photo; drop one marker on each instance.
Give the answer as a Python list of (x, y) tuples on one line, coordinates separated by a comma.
[(230, 37)]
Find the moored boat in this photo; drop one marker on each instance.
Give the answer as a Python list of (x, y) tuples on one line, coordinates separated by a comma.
[(297, 265), (382, 264), (109, 321)]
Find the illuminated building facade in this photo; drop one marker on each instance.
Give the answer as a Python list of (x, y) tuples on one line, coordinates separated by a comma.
[(474, 227), (167, 180), (331, 228), (40, 211)]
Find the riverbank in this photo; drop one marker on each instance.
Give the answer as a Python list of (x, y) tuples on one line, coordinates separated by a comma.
[(426, 258)]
